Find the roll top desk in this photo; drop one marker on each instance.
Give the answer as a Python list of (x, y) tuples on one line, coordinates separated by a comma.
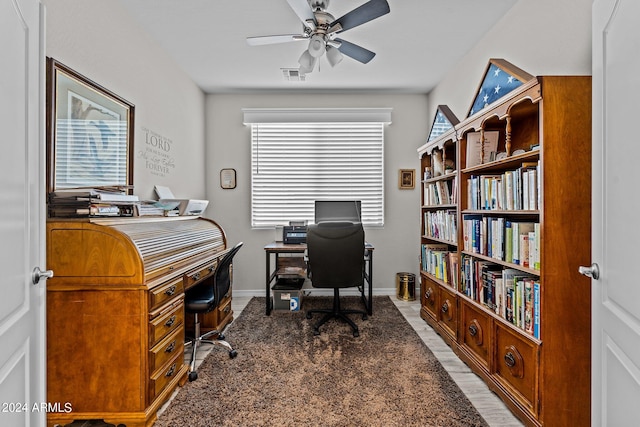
[(115, 312)]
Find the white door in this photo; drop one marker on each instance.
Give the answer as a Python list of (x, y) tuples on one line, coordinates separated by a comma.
[(22, 305), (616, 213)]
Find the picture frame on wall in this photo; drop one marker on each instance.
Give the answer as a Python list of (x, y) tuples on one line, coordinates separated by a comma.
[(89, 133), (406, 179)]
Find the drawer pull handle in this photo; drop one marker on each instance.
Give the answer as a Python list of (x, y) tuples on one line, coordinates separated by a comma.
[(170, 347), (211, 268), (473, 330), (171, 290), (171, 321), (445, 307), (428, 293), (196, 276), (510, 359), (227, 309), (171, 371)]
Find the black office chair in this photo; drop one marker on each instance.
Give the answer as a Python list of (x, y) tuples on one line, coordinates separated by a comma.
[(335, 252), (204, 298)]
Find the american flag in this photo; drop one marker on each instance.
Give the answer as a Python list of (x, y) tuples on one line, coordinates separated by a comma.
[(496, 84), (440, 126)]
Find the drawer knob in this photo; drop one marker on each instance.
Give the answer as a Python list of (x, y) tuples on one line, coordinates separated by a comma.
[(473, 330), (510, 359), (196, 276), (445, 307), (427, 294), (171, 371), (171, 321), (170, 347), (171, 290), (514, 361)]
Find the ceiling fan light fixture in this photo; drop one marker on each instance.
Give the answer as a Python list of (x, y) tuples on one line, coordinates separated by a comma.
[(307, 62), (317, 46), (334, 56)]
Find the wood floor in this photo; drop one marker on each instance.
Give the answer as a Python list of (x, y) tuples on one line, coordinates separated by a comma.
[(487, 403)]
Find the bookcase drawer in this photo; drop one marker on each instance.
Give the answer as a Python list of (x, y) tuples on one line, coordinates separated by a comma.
[(167, 321), (476, 332), (166, 349), (429, 297), (448, 311), (516, 365), (163, 293)]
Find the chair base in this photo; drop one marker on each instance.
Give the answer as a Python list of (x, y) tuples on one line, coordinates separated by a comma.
[(336, 313), (200, 339)]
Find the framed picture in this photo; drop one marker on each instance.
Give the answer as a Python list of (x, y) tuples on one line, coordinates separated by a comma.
[(228, 178), (89, 133), (406, 179)]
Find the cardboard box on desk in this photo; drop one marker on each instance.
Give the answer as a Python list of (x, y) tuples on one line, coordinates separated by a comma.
[(287, 294)]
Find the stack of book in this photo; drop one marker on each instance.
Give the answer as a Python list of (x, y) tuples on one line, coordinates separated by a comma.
[(91, 202)]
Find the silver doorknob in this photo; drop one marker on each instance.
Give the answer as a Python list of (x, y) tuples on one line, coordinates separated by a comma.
[(38, 274), (593, 271)]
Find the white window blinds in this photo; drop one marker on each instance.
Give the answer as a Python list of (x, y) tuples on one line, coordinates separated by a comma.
[(294, 164)]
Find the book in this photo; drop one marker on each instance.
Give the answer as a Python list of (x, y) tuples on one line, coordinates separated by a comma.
[(519, 229), (528, 305), (536, 309)]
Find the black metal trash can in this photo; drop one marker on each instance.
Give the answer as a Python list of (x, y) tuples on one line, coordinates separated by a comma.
[(406, 286)]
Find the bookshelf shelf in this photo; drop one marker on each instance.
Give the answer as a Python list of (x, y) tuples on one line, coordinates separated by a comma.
[(518, 312)]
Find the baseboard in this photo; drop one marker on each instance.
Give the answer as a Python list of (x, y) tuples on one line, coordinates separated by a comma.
[(315, 291)]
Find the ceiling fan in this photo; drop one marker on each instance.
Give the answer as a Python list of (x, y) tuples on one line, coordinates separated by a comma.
[(320, 29)]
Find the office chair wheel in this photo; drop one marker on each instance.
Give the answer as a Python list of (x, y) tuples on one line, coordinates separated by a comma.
[(309, 315), (221, 337), (233, 354), (356, 334), (316, 331), (193, 376), (365, 317)]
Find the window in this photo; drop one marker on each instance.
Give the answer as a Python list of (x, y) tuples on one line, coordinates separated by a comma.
[(310, 155)]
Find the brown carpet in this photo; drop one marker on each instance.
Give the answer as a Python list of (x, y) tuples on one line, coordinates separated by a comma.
[(284, 375)]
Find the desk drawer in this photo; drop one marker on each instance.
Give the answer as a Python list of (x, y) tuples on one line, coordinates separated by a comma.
[(165, 350), (163, 293), (164, 376), (224, 315), (194, 276), (166, 322)]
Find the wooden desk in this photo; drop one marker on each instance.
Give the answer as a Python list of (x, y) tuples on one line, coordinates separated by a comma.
[(277, 248), (115, 312)]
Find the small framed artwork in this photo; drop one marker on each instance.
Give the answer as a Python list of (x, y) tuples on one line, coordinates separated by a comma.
[(406, 179), (228, 178)]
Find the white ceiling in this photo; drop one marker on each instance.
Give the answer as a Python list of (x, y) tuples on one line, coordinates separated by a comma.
[(415, 44)]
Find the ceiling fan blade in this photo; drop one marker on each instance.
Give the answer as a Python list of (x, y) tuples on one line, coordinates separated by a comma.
[(371, 10), (304, 12), (284, 38), (354, 51)]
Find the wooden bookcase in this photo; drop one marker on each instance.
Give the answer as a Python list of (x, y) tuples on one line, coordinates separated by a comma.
[(543, 126)]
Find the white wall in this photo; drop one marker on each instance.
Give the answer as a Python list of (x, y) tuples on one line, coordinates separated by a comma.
[(542, 37), (100, 41), (228, 146)]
